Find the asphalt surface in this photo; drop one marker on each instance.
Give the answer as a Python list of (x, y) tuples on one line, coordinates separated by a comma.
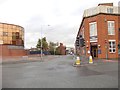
[(0, 76), (59, 72)]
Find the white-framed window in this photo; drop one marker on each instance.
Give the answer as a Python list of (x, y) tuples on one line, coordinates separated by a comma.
[(112, 46), (109, 10), (111, 28), (93, 29)]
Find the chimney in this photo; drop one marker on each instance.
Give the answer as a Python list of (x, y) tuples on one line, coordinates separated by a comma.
[(61, 44)]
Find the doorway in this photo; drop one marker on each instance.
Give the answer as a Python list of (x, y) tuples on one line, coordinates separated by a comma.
[(94, 51)]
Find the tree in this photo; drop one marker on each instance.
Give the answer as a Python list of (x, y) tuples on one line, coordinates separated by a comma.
[(44, 44), (38, 43), (52, 47)]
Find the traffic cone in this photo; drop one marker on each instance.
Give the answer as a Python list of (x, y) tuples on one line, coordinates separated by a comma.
[(90, 60), (77, 61)]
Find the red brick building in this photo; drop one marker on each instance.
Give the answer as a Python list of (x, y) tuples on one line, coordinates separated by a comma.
[(100, 29), (11, 40), (61, 49)]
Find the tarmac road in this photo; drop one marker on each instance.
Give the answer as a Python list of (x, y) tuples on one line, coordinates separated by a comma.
[(60, 73)]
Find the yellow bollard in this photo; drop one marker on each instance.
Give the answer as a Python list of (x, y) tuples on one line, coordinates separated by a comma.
[(90, 60), (77, 61)]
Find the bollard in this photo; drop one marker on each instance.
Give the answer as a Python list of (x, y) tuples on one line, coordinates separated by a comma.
[(77, 61), (90, 60)]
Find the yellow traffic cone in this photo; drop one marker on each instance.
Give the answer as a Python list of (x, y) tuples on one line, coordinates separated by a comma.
[(90, 60), (77, 61)]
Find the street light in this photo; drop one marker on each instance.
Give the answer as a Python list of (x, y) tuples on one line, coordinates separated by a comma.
[(41, 44)]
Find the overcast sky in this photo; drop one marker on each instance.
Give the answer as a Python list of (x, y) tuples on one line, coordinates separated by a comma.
[(59, 20)]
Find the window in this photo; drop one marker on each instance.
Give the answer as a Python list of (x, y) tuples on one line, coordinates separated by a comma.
[(111, 28), (15, 35), (5, 33), (112, 46), (109, 10), (93, 29)]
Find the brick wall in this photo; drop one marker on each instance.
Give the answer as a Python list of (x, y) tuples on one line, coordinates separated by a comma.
[(102, 33), (62, 49), (5, 51)]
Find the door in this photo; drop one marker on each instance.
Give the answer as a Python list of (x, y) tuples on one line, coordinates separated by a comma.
[(94, 51)]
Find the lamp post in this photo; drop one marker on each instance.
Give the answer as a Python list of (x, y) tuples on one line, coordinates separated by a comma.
[(42, 45), (54, 49)]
